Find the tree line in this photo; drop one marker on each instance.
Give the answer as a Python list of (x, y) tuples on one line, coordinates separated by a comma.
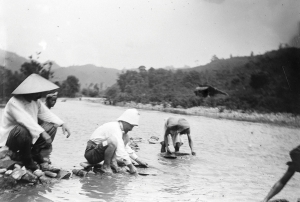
[(264, 83), (9, 80)]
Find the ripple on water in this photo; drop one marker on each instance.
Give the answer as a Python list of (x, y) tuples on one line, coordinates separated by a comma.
[(236, 161)]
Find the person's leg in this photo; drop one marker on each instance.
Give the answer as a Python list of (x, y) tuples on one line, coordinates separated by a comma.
[(109, 154), (163, 147), (41, 144), (105, 150), (20, 139), (176, 138), (177, 146)]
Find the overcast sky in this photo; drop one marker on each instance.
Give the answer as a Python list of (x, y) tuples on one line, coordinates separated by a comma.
[(127, 34)]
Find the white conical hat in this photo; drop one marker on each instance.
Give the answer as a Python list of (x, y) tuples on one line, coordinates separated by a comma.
[(130, 116), (34, 84)]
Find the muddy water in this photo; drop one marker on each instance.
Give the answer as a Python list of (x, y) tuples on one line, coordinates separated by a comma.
[(236, 161)]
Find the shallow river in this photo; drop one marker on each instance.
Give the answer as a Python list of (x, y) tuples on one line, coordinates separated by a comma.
[(236, 161)]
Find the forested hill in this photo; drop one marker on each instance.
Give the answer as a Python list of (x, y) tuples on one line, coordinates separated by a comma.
[(266, 83)]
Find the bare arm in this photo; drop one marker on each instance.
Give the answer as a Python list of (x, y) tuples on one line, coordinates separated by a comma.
[(167, 141), (278, 186), (191, 143)]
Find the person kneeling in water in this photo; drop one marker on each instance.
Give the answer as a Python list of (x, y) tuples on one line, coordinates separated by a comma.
[(106, 143), (174, 128)]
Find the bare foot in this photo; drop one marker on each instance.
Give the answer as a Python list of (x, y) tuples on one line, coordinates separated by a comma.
[(106, 169), (115, 167)]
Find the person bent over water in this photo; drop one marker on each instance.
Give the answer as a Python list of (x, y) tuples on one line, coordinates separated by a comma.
[(293, 166), (20, 130), (174, 128), (107, 142)]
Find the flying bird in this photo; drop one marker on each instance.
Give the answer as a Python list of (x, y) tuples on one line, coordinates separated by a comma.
[(207, 91)]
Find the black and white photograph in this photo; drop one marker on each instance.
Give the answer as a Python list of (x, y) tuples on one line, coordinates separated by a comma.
[(150, 100)]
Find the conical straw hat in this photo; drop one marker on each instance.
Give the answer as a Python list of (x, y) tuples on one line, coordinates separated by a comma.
[(34, 84)]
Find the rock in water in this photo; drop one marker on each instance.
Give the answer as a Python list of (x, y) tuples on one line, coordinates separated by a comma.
[(45, 180), (64, 174), (2, 170), (78, 172), (29, 177), (38, 173), (18, 173), (50, 174), (8, 164)]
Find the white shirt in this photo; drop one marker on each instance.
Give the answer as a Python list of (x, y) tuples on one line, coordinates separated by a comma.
[(19, 111), (112, 129)]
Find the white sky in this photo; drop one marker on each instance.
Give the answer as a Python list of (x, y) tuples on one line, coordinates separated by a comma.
[(127, 33)]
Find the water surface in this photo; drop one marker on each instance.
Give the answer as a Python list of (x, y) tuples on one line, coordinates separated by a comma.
[(236, 161)]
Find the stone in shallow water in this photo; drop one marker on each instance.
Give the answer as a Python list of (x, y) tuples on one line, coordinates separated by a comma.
[(50, 174), (64, 174), (2, 170), (29, 177), (8, 164), (18, 173), (45, 180), (38, 173), (78, 172)]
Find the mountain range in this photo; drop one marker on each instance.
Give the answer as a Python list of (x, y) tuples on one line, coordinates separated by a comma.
[(87, 74)]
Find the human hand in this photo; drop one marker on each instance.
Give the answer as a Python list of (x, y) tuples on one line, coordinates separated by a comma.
[(66, 129), (132, 169), (142, 163)]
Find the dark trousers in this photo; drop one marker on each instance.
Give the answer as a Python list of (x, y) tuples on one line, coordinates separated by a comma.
[(20, 141), (94, 153)]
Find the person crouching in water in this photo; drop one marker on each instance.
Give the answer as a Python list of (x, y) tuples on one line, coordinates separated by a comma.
[(293, 166), (174, 128), (107, 142), (20, 130)]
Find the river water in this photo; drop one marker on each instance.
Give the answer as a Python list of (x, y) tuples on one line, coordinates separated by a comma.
[(235, 161)]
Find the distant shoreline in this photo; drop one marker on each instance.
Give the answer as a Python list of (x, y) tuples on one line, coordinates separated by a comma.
[(280, 119)]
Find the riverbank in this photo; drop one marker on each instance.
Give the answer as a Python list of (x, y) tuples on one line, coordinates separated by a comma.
[(281, 119)]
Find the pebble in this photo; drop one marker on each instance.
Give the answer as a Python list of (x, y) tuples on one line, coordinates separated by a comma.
[(8, 172), (2, 170), (50, 174)]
